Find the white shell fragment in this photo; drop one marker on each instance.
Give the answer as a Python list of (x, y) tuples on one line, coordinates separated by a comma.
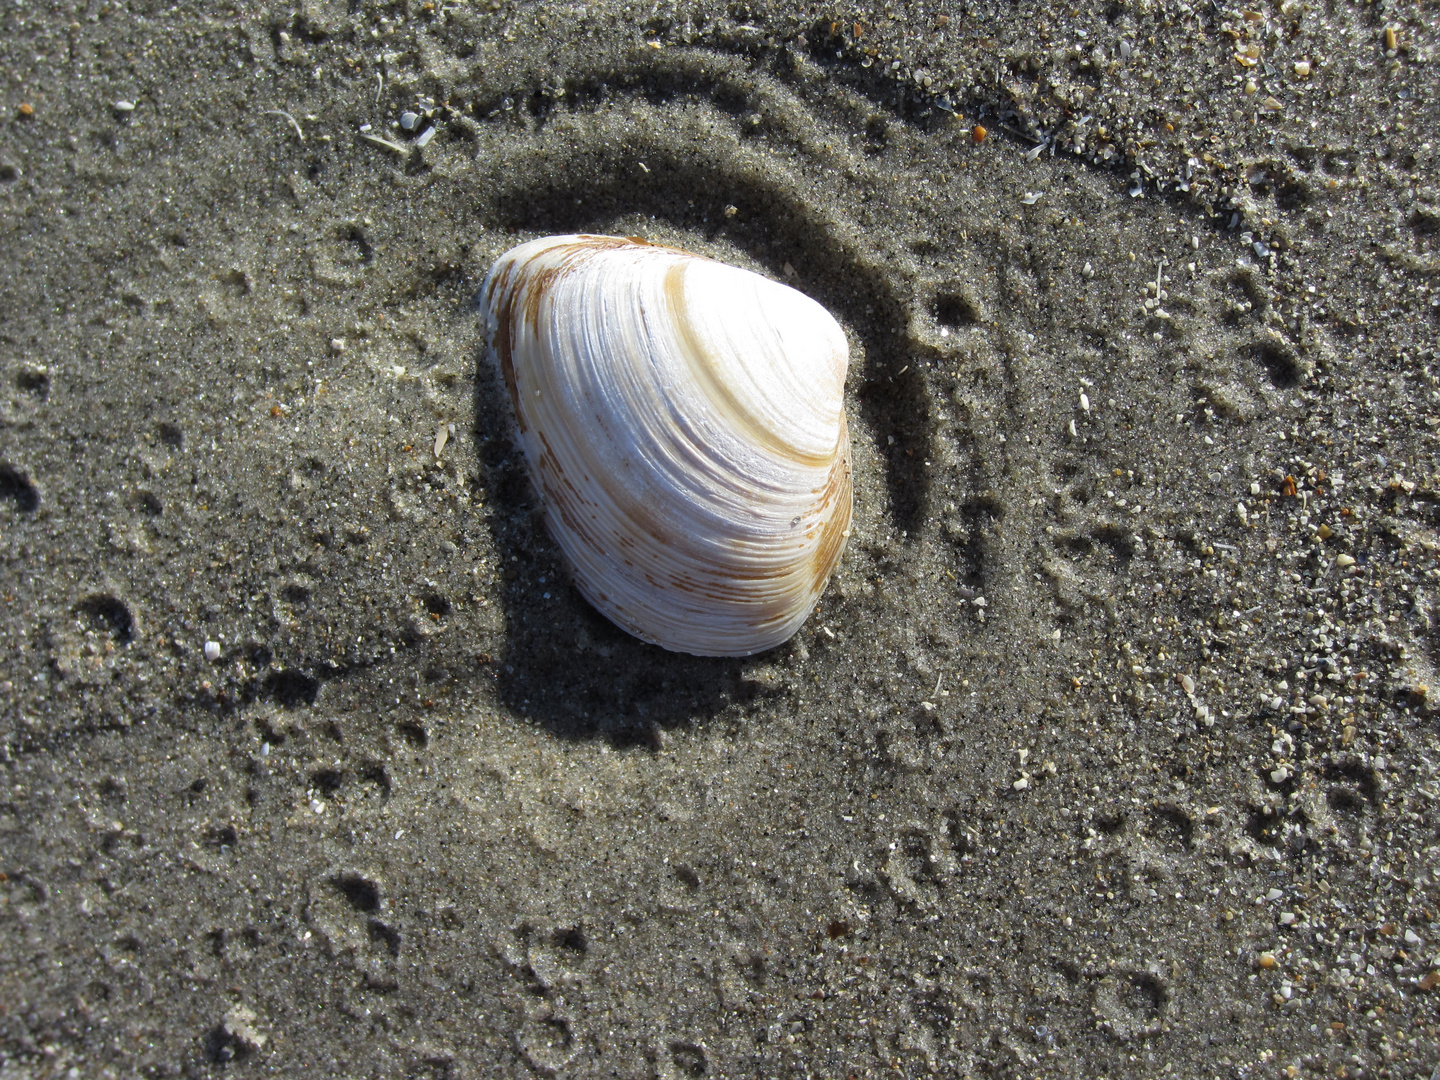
[(684, 423)]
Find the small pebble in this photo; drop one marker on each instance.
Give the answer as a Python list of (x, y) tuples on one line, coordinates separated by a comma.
[(242, 1027), (978, 133), (337, 345), (1266, 960), (1344, 561), (425, 137), (212, 650), (1287, 918), (123, 106), (1187, 684)]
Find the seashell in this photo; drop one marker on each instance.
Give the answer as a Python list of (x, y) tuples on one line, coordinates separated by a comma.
[(684, 424)]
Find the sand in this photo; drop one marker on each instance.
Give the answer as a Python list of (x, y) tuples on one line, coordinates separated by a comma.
[(1111, 749)]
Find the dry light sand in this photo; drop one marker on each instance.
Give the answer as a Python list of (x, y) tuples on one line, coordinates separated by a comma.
[(1111, 750)]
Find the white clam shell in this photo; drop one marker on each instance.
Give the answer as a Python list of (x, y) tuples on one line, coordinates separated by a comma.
[(684, 423)]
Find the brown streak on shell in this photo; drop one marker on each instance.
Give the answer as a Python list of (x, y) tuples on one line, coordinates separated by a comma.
[(632, 509), (502, 296), (704, 365), (502, 342), (839, 491)]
